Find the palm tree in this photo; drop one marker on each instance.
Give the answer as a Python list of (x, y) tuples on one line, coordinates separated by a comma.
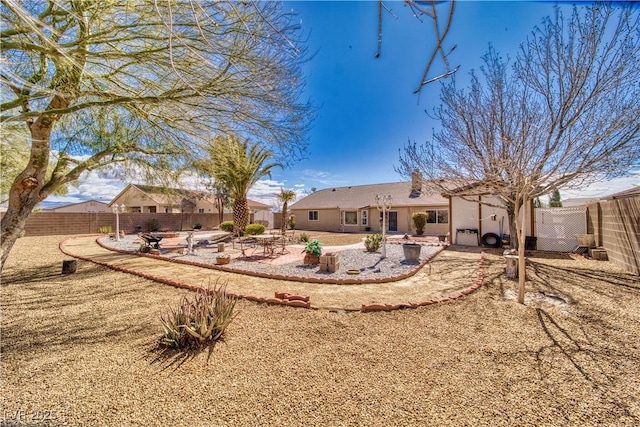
[(285, 197), (238, 165)]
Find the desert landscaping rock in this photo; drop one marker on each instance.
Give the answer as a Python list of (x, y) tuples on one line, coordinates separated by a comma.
[(82, 348)]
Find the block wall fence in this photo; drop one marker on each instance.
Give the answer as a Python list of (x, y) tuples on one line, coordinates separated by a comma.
[(616, 226), (56, 223)]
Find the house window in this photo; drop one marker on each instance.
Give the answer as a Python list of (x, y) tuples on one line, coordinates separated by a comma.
[(437, 216), (365, 217), (313, 215), (350, 217), (201, 210)]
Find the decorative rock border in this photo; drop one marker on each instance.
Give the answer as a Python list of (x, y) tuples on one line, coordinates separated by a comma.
[(466, 291), (284, 298)]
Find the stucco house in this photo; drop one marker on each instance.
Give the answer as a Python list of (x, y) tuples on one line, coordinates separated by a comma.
[(151, 199), (466, 214), (354, 208)]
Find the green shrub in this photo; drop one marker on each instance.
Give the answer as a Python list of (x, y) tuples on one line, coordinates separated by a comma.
[(313, 247), (197, 226), (304, 238), (291, 222), (105, 229), (227, 226), (254, 229), (153, 224), (200, 321), (419, 220), (372, 242)]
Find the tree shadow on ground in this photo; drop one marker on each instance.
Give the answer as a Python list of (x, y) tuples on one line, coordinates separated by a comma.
[(589, 335)]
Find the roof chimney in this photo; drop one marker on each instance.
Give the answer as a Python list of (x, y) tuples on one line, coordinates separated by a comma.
[(416, 182)]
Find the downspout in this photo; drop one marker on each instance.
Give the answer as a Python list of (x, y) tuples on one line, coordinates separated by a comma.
[(479, 219), (450, 219), (532, 218)]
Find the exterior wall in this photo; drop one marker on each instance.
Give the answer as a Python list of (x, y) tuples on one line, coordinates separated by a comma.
[(430, 229), (620, 232), (54, 223), (330, 220), (135, 201), (466, 215)]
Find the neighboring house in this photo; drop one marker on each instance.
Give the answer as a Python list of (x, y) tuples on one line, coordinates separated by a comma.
[(150, 199), (88, 206), (354, 208)]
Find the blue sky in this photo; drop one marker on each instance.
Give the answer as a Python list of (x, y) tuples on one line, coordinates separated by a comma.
[(367, 107)]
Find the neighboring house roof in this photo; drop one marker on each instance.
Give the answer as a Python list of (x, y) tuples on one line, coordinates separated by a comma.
[(175, 196), (362, 196), (78, 204), (579, 201), (631, 192)]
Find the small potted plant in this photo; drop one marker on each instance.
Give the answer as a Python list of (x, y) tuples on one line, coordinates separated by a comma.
[(312, 251)]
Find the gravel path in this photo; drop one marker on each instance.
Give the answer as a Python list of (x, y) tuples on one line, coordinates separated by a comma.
[(80, 350), (371, 265)]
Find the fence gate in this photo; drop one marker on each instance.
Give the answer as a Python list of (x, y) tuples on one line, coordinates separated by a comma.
[(556, 228)]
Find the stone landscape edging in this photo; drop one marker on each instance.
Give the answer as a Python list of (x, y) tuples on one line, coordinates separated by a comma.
[(283, 298)]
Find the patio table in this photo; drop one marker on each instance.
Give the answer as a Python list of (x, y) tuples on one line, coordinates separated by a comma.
[(267, 241)]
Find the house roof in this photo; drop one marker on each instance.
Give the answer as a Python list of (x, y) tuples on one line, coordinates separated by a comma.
[(175, 196), (631, 192), (77, 204), (362, 196)]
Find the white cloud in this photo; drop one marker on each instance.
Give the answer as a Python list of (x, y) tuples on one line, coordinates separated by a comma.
[(322, 177), (604, 188)]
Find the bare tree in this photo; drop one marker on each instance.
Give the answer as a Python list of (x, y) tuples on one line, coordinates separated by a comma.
[(567, 113), (426, 10), (143, 83)]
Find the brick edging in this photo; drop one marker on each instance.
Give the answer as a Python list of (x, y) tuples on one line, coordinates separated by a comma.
[(466, 291)]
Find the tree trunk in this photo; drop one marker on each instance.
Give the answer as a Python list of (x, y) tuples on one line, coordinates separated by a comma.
[(220, 207), (26, 191), (241, 215), (513, 227), (283, 225), (521, 261)]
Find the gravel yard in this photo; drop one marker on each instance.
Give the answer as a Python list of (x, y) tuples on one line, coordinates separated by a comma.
[(81, 349), (370, 265)]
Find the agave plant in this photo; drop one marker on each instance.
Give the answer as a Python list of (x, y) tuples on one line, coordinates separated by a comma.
[(199, 321)]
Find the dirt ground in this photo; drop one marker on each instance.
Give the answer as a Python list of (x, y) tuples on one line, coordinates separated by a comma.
[(81, 349)]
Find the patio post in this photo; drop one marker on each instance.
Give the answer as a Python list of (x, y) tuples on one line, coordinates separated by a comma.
[(117, 210), (383, 204)]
